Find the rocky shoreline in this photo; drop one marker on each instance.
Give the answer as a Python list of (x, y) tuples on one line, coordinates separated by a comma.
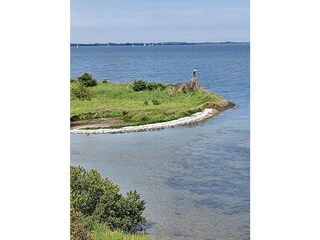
[(196, 117)]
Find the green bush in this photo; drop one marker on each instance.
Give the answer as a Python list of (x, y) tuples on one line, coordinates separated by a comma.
[(87, 80), (153, 86), (139, 85), (100, 200), (79, 91)]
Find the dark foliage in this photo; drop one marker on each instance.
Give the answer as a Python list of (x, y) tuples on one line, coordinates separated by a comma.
[(100, 200), (141, 85), (87, 80), (155, 102), (153, 86)]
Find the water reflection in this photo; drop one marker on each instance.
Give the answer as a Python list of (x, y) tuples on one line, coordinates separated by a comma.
[(195, 179)]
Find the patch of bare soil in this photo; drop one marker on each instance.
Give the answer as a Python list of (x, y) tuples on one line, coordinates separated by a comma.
[(97, 123)]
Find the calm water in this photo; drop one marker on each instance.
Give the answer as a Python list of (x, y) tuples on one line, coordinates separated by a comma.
[(195, 179)]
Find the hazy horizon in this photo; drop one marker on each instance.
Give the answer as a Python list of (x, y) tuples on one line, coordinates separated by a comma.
[(124, 42)]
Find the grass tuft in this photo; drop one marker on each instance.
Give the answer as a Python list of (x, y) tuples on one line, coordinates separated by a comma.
[(101, 231)]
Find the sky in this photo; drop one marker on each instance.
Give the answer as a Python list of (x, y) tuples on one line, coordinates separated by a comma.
[(119, 21)]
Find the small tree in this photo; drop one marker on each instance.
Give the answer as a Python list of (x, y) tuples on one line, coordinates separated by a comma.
[(87, 80)]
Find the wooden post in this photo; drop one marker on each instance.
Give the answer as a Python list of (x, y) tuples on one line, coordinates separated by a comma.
[(194, 80)]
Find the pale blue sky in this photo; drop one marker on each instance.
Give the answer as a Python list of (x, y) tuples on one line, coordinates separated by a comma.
[(159, 20)]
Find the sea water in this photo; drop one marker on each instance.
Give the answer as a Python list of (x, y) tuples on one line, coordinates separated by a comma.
[(194, 179)]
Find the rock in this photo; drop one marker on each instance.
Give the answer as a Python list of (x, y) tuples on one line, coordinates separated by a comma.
[(139, 228)]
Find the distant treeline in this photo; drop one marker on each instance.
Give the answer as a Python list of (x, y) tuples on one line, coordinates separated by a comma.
[(153, 44)]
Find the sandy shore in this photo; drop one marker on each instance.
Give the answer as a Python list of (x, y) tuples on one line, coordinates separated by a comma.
[(196, 117)]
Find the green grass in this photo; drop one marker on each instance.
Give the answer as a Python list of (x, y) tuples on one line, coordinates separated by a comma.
[(120, 101), (102, 232)]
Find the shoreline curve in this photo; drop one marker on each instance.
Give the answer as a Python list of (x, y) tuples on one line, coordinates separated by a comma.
[(196, 117)]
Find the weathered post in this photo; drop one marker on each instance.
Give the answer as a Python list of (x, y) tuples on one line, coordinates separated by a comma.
[(194, 80)]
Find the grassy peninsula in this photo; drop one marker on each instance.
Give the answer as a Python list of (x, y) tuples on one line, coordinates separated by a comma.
[(109, 104)]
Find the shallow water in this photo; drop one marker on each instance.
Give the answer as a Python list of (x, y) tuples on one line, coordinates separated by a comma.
[(195, 179)]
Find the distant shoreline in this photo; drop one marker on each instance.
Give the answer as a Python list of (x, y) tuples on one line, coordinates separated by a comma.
[(147, 44)]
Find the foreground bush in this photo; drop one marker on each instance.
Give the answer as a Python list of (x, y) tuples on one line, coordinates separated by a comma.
[(87, 80), (99, 200), (82, 228)]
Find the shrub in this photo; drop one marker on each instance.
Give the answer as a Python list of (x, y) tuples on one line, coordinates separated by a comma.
[(139, 85), (87, 80), (105, 81), (153, 86), (79, 91), (100, 200)]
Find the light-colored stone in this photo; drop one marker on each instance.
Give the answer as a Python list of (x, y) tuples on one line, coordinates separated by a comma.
[(196, 117)]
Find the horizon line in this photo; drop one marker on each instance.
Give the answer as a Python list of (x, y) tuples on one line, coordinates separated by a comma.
[(160, 42)]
